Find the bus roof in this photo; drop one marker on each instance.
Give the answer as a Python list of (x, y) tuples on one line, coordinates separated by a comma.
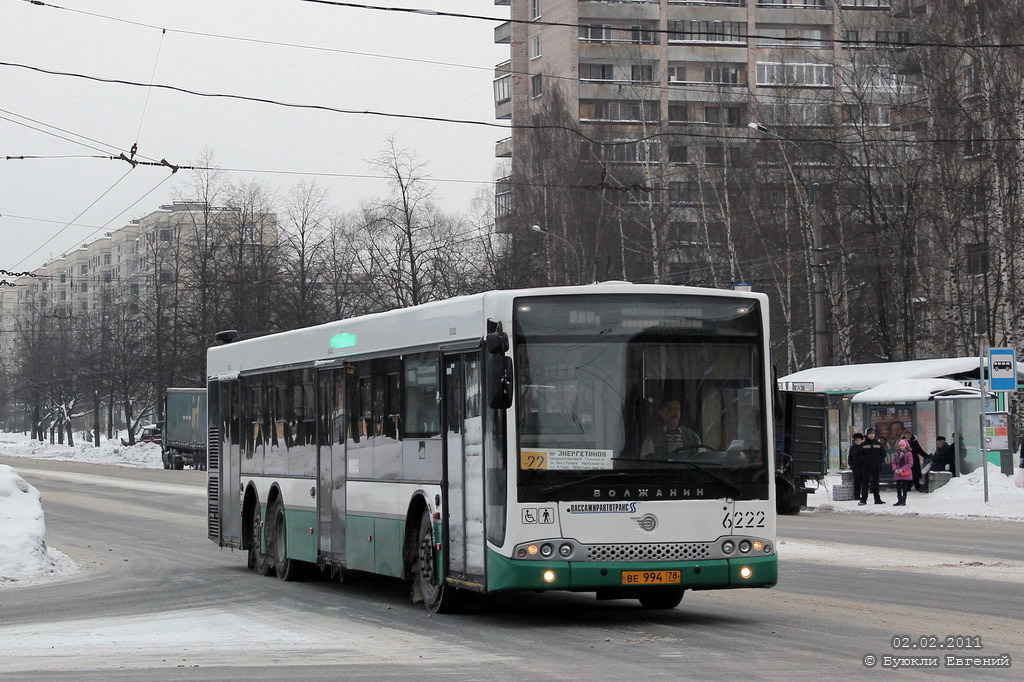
[(454, 320)]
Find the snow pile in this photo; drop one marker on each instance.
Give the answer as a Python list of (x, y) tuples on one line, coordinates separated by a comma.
[(23, 550), (962, 497), (145, 455)]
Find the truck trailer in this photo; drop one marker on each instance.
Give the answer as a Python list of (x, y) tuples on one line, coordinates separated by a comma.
[(184, 436)]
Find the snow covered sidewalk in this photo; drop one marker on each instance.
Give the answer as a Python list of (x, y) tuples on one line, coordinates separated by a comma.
[(146, 455), (23, 550), (961, 498)]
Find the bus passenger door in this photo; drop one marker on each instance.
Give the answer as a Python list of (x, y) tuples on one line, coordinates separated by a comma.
[(464, 484), (331, 428), (226, 431)]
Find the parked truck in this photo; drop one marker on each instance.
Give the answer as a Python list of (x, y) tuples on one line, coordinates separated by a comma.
[(801, 459), (184, 436)]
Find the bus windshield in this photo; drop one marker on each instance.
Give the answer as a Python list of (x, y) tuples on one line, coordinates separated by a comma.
[(640, 393)]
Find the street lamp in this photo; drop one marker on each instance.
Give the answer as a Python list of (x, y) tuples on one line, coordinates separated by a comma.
[(816, 267), (575, 251)]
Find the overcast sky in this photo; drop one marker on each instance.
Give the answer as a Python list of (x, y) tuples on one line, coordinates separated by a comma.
[(39, 197)]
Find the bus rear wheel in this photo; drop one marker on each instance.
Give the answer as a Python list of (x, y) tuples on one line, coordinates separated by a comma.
[(660, 597), (258, 561), (441, 598), (277, 544)]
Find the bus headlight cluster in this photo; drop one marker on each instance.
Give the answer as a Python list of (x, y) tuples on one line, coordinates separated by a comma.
[(546, 550), (728, 547), (565, 550), (744, 546)]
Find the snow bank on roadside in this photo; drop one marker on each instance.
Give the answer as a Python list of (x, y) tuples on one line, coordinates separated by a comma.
[(144, 455), (23, 550), (962, 497)]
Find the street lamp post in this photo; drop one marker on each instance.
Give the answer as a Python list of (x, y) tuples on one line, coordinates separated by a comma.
[(575, 251), (818, 283)]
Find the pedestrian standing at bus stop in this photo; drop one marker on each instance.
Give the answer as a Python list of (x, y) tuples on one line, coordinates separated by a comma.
[(873, 453), (856, 461), (902, 471), (918, 454)]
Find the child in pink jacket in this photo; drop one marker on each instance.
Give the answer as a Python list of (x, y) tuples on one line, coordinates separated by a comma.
[(902, 471)]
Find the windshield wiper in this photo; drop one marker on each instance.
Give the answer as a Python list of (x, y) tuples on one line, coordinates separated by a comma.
[(587, 479), (595, 477), (721, 479)]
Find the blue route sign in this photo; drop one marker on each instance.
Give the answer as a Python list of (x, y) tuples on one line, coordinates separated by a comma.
[(1002, 369)]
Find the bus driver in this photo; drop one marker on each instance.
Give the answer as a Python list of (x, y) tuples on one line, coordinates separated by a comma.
[(672, 436)]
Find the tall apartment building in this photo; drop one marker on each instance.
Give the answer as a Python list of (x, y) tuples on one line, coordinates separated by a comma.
[(686, 77), (117, 273)]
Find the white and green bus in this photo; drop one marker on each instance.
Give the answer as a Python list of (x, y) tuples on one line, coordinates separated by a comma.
[(610, 438)]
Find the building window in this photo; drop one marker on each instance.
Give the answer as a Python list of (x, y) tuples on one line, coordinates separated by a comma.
[(892, 38), (972, 79), (684, 233), (618, 110), (106, 259), (722, 75), (595, 33), (685, 192), (974, 144), (677, 74), (678, 154), (799, 75), (641, 35), (534, 47), (642, 73), (979, 319), (536, 86), (85, 287), (977, 259), (165, 235), (535, 8), (727, 116), (63, 278), (85, 269), (708, 31), (597, 72), (678, 113), (851, 39)]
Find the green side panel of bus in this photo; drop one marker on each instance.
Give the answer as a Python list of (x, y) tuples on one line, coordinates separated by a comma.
[(359, 532), (387, 546), (302, 544), (508, 574), (374, 544)]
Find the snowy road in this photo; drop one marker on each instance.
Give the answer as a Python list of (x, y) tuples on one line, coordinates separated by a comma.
[(156, 600)]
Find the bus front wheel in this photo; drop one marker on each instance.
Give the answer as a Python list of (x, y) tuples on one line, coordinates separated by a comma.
[(441, 598), (660, 597), (277, 544)]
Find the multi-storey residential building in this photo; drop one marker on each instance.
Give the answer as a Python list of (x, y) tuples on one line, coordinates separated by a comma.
[(142, 270), (684, 78)]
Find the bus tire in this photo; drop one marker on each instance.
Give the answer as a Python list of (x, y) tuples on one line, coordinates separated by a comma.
[(437, 598), (258, 561), (660, 597), (277, 544)]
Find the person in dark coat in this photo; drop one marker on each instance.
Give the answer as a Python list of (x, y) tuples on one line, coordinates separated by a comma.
[(941, 458), (856, 460), (873, 453), (919, 454)]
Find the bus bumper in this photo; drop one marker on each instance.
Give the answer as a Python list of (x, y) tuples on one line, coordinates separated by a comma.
[(504, 574)]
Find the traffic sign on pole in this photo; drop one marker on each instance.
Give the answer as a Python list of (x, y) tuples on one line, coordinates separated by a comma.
[(1002, 369)]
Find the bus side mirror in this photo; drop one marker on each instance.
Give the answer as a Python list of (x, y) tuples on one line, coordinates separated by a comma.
[(499, 370)]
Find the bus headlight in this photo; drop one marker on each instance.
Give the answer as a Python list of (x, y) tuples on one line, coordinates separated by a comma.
[(728, 546), (532, 549), (745, 572), (744, 546), (565, 550), (549, 576), (546, 550)]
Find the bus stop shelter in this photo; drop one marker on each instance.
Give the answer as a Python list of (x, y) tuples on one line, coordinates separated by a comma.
[(934, 397)]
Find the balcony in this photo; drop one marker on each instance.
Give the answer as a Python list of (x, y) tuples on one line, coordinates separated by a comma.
[(503, 148), (503, 3), (503, 33)]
